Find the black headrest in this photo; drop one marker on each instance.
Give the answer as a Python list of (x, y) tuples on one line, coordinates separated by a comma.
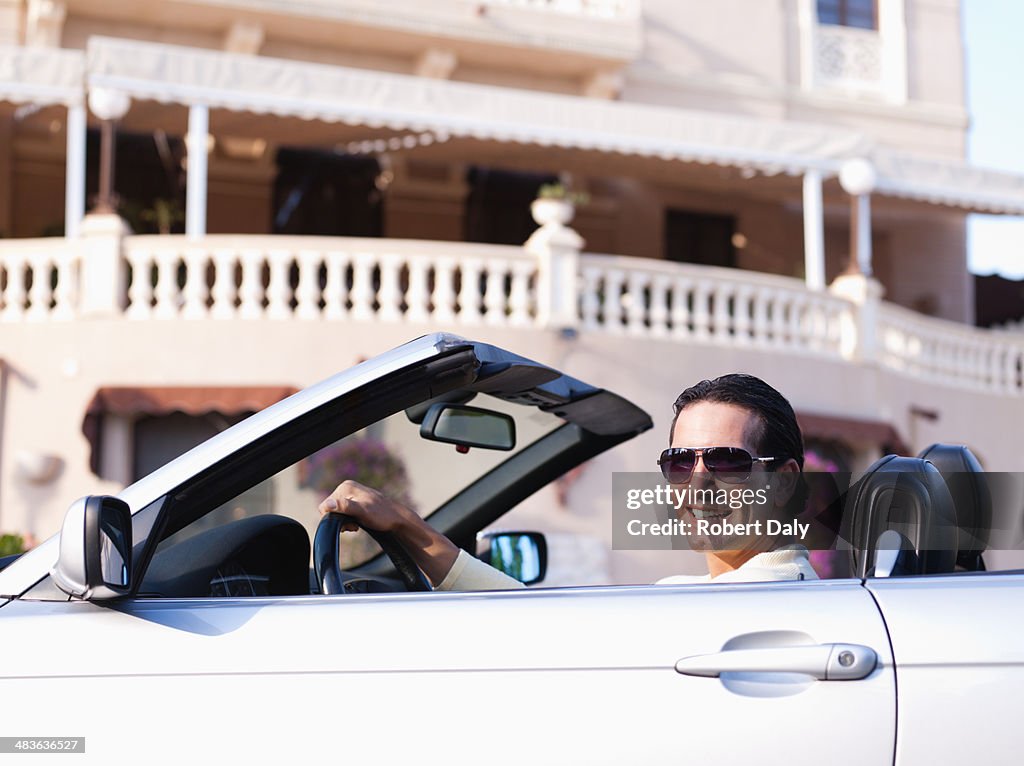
[(907, 495), (268, 545), (972, 499)]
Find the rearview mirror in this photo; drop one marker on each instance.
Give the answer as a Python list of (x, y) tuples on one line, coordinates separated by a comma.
[(522, 555), (469, 427), (94, 559)]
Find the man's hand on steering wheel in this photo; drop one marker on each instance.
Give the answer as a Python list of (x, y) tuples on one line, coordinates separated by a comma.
[(429, 549)]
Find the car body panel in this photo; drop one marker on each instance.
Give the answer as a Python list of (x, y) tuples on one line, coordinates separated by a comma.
[(958, 641), (591, 668)]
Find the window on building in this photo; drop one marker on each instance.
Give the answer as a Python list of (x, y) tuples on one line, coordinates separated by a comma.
[(327, 194), (498, 205), (702, 238), (862, 14)]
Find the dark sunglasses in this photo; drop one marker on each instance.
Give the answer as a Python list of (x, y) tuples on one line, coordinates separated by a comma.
[(729, 464)]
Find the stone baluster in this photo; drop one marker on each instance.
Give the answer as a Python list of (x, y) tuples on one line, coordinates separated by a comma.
[(795, 320), (682, 289), (418, 297), (659, 305), (362, 287), (195, 291), (279, 289), (636, 308), (494, 292), (519, 294), (250, 293), (167, 292), (702, 310), (721, 318), (612, 309), (40, 265), (760, 330), (469, 291), (589, 303), (65, 294), (224, 289), (336, 286), (14, 294), (389, 298), (307, 291), (444, 290), (140, 293), (1009, 374), (742, 308)]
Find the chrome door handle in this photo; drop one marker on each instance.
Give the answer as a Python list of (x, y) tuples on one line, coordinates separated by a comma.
[(825, 662)]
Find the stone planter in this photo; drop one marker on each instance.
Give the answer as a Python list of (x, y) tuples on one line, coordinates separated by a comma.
[(553, 211)]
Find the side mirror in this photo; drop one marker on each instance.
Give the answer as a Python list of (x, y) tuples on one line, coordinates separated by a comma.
[(94, 558), (522, 555), (469, 427)]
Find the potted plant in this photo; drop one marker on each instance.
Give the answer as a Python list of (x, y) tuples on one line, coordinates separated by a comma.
[(556, 204)]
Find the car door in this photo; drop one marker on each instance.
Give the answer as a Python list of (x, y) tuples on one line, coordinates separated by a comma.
[(574, 675), (959, 658)]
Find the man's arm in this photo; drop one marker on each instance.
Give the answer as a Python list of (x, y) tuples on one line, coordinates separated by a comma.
[(444, 563)]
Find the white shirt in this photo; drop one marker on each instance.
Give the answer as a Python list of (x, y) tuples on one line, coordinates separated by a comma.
[(788, 563), (791, 562)]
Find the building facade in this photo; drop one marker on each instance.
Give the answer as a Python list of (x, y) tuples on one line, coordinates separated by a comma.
[(773, 187)]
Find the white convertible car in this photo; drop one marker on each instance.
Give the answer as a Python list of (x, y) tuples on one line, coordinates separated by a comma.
[(173, 624)]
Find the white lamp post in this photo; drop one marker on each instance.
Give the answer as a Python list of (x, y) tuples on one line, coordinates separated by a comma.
[(858, 179), (110, 106)]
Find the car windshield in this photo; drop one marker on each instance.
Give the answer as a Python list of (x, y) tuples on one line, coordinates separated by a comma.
[(391, 456)]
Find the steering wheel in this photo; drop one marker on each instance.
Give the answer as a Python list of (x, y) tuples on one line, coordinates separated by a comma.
[(327, 561)]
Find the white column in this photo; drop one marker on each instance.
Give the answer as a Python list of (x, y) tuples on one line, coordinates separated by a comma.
[(117, 449), (195, 190), (74, 175), (814, 231)]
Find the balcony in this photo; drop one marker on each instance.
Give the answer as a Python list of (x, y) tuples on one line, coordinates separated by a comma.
[(545, 285)]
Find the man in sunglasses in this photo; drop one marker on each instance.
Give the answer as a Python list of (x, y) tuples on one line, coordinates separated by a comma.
[(730, 433), (736, 440)]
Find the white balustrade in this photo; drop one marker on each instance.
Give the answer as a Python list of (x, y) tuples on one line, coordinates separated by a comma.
[(949, 352), (220, 277), (309, 278), (37, 279), (707, 305)]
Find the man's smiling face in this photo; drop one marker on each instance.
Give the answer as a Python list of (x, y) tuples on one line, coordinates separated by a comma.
[(717, 424)]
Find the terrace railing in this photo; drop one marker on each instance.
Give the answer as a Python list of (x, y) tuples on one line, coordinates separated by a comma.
[(547, 283)]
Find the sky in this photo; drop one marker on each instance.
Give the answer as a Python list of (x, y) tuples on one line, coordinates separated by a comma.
[(995, 100)]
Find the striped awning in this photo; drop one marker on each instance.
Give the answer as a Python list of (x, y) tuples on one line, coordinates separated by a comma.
[(41, 76)]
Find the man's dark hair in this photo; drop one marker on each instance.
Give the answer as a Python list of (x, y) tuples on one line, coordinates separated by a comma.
[(777, 433)]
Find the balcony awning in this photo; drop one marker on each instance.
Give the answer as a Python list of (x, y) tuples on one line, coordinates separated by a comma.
[(835, 428), (238, 82), (133, 401), (41, 76)]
